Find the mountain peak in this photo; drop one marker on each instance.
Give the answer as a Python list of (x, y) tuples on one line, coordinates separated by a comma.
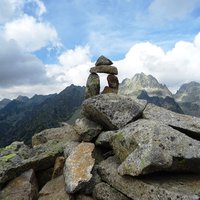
[(22, 98), (145, 82)]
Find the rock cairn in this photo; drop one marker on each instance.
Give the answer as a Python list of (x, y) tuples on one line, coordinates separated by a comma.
[(102, 65)]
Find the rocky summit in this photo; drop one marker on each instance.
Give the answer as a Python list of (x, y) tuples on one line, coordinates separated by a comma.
[(120, 149)]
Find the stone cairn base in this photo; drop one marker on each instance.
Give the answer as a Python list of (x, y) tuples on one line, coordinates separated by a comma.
[(102, 65)]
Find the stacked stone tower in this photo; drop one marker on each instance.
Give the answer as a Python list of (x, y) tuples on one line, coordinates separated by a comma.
[(102, 65)]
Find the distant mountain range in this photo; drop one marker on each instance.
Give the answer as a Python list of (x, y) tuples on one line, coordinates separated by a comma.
[(23, 116), (146, 87)]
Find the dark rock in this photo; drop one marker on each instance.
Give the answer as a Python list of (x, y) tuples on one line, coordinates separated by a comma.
[(113, 81), (112, 111), (58, 167), (54, 190), (168, 102), (21, 188), (103, 191), (107, 90), (43, 176), (156, 186), (92, 85), (102, 60), (104, 69)]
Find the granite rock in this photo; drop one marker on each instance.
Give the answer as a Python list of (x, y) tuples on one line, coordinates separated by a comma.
[(92, 85), (113, 81), (147, 146), (104, 69), (24, 187), (103, 191), (54, 190), (156, 186), (87, 129), (78, 167), (112, 111), (187, 124)]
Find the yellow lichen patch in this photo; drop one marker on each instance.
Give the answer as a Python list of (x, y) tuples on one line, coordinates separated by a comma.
[(7, 157)]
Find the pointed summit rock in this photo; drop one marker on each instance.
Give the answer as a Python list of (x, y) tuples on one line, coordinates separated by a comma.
[(102, 60)]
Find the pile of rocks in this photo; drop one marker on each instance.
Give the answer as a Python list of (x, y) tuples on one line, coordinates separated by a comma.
[(102, 65), (121, 149)]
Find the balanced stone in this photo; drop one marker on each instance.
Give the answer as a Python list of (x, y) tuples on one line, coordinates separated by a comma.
[(92, 86), (113, 81), (102, 60), (104, 69), (107, 90)]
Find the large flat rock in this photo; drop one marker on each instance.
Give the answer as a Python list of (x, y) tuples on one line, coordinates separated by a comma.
[(112, 111), (188, 124), (155, 187), (104, 69), (147, 146)]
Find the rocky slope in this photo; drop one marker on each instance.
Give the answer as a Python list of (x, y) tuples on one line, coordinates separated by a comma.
[(23, 117), (188, 97), (4, 102), (146, 87), (158, 149)]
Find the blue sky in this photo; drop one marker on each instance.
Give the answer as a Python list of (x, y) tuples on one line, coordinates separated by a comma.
[(46, 45)]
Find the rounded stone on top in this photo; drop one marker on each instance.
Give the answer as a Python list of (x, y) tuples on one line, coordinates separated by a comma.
[(102, 60)]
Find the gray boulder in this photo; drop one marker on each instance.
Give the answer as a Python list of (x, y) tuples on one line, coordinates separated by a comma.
[(184, 123), (146, 146), (87, 129), (61, 134), (92, 85), (78, 167), (102, 60), (104, 69), (54, 190), (103, 191), (156, 187), (23, 187), (113, 81), (112, 111)]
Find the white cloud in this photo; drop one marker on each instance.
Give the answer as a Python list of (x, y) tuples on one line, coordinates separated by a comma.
[(19, 68), (172, 9), (31, 34), (174, 67), (10, 9), (73, 66), (78, 56), (41, 7)]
